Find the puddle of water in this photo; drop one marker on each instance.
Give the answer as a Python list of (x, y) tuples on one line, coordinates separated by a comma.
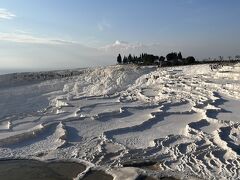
[(31, 169), (93, 175), (37, 170)]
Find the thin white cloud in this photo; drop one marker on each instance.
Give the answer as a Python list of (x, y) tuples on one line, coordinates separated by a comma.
[(121, 46), (137, 48), (103, 25), (28, 38), (5, 14), (54, 56)]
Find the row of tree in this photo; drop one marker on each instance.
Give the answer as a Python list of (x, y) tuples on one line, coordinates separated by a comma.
[(171, 59)]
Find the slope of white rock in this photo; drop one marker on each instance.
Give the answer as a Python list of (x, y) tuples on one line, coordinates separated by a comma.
[(186, 119)]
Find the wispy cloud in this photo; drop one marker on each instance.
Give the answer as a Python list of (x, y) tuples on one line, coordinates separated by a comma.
[(29, 38), (121, 46), (136, 48), (5, 14), (103, 25)]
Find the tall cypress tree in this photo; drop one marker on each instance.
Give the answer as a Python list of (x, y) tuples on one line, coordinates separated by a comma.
[(180, 56), (130, 58), (119, 59), (125, 60)]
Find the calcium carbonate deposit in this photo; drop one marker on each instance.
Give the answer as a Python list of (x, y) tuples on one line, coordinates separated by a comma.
[(184, 120)]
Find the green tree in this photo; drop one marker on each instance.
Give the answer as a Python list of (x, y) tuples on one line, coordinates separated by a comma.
[(130, 58), (125, 60), (190, 60), (180, 56), (119, 59), (172, 56), (162, 58)]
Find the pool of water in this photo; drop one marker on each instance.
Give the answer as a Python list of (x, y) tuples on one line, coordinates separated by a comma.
[(31, 169)]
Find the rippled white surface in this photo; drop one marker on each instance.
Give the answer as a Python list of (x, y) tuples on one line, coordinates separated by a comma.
[(185, 118)]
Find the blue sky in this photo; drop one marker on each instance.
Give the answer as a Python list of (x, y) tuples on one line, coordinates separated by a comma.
[(74, 33)]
